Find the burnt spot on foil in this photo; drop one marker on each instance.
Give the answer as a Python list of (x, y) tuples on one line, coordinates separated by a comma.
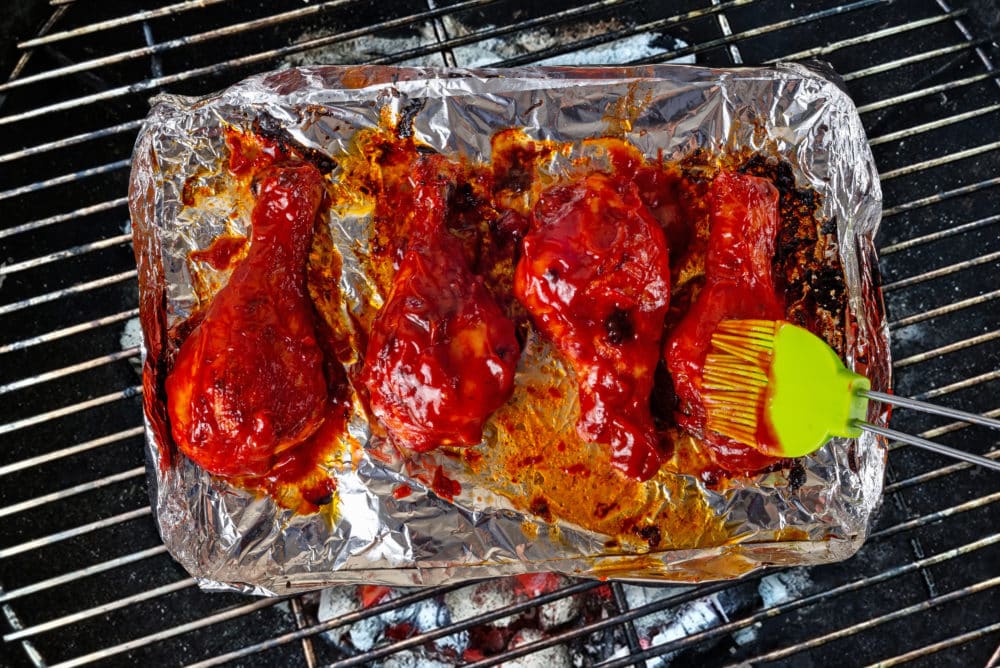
[(651, 534), (796, 476), (539, 507), (404, 128)]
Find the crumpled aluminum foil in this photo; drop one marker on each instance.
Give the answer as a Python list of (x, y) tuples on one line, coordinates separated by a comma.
[(228, 538)]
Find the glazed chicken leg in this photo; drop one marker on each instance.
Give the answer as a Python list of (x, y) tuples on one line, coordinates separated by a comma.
[(442, 355), (596, 279), (739, 283), (248, 382)]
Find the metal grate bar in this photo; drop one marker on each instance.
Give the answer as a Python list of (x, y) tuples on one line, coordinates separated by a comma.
[(936, 236), (628, 628), (910, 60), (66, 178), (737, 58), (956, 307), (939, 515), (225, 66), (949, 348), (937, 473), (68, 331), (129, 126), (441, 44), (350, 618), (763, 30), (73, 576), (71, 450), (924, 92), (126, 353), (943, 4), (448, 43), (44, 627), (927, 650), (440, 33), (643, 611), (944, 429), (15, 623), (628, 617), (876, 35), (300, 621), (168, 10), (197, 38), (22, 62), (486, 617), (74, 532), (63, 217), (933, 125), (614, 35), (960, 385), (719, 42), (223, 616), (65, 292), (937, 162), (942, 271), (451, 43), (553, 640), (795, 604), (956, 426), (31, 504), (145, 15), (64, 254), (507, 611), (940, 197), (938, 431), (127, 393), (945, 310), (929, 604)]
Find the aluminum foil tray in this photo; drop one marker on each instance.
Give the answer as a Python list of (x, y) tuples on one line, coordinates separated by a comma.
[(229, 538)]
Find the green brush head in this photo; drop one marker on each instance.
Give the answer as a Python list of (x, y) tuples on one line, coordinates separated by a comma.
[(812, 397), (779, 388)]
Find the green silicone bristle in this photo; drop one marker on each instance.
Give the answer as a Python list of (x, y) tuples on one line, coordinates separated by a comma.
[(786, 376)]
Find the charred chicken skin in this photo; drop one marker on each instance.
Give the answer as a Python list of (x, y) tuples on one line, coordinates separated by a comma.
[(248, 382), (739, 283), (441, 355), (595, 277)]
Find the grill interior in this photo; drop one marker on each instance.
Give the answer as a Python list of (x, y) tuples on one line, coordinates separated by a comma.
[(83, 577)]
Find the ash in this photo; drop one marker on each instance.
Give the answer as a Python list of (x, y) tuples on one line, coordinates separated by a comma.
[(474, 640)]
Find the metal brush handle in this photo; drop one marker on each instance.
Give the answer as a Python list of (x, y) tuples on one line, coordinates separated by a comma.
[(923, 442)]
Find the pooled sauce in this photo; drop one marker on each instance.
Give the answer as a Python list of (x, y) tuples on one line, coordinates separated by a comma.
[(486, 219), (223, 252)]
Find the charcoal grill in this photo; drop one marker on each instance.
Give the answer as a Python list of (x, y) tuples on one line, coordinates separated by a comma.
[(83, 576)]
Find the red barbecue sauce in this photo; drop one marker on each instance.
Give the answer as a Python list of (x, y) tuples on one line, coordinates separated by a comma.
[(738, 285), (595, 277), (252, 394), (441, 354), (617, 267), (225, 249)]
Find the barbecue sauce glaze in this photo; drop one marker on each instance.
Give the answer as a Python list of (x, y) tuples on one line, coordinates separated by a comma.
[(621, 270)]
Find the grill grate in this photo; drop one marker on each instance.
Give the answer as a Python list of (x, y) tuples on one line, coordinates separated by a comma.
[(83, 576)]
